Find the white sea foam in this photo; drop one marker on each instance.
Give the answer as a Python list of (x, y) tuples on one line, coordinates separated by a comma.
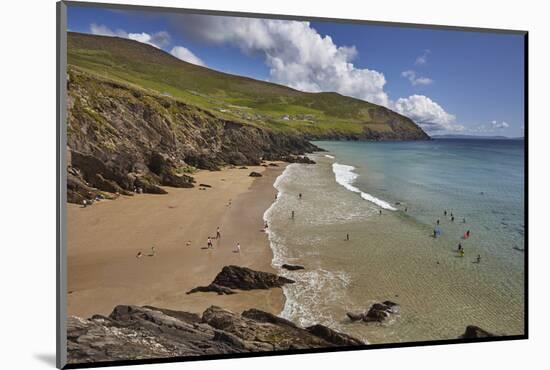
[(329, 156), (345, 176)]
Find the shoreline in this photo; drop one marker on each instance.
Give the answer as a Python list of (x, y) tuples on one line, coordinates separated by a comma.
[(104, 239)]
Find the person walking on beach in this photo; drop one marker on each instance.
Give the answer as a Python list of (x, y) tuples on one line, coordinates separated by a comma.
[(437, 222), (292, 216), (435, 233), (300, 195), (238, 248), (463, 220), (218, 235), (406, 209), (380, 212), (209, 242), (467, 235), (347, 237), (478, 258), (459, 247)]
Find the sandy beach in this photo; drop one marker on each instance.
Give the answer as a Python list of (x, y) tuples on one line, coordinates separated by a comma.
[(103, 241)]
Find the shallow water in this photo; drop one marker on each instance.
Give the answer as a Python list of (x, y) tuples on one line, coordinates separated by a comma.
[(393, 255)]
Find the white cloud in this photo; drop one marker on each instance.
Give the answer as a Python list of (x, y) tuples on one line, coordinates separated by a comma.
[(158, 39), (186, 55), (422, 59), (491, 127), (499, 125), (416, 80), (102, 30), (427, 113), (295, 53)]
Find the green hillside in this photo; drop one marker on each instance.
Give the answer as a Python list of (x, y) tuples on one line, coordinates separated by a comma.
[(236, 98)]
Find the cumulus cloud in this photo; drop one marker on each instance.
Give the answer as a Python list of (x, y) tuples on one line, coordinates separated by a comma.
[(416, 80), (491, 127), (422, 59), (499, 125), (186, 55), (295, 53), (427, 113), (102, 30), (158, 39)]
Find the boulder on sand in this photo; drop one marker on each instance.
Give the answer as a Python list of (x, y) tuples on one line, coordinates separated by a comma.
[(473, 332), (287, 266), (236, 277), (255, 174)]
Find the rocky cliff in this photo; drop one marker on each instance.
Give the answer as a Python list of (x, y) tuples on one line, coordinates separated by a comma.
[(121, 137), (131, 333)]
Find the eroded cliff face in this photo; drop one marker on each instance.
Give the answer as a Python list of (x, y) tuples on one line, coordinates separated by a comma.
[(122, 137)]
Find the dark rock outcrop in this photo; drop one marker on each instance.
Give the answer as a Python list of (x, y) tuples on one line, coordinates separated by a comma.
[(236, 277), (378, 312), (287, 266), (132, 332), (212, 288), (473, 332), (255, 174)]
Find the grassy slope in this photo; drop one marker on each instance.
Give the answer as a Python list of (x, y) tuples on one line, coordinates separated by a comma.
[(227, 96)]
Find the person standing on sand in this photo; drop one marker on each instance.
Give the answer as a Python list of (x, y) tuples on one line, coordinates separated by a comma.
[(292, 216), (218, 235), (347, 237), (238, 248), (380, 212), (300, 195), (209, 242), (478, 258)]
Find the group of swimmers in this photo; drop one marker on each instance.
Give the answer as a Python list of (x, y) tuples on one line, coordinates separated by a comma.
[(460, 249)]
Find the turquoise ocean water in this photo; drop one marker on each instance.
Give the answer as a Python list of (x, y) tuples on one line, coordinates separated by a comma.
[(392, 255)]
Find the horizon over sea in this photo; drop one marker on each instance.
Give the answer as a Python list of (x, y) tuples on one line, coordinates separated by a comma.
[(388, 196)]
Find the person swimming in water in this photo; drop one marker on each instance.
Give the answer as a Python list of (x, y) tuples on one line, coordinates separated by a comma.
[(467, 235), (460, 247), (452, 218), (445, 213), (437, 222)]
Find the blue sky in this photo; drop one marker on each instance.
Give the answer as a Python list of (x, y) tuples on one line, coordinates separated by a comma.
[(446, 81)]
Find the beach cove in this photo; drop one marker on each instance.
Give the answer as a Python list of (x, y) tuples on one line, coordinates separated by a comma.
[(104, 239)]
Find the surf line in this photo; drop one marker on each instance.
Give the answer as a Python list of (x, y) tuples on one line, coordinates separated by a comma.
[(345, 176)]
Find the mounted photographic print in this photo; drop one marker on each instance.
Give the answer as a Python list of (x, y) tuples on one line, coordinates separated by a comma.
[(235, 185)]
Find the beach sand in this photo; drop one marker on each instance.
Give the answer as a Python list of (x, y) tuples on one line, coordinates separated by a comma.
[(103, 240)]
